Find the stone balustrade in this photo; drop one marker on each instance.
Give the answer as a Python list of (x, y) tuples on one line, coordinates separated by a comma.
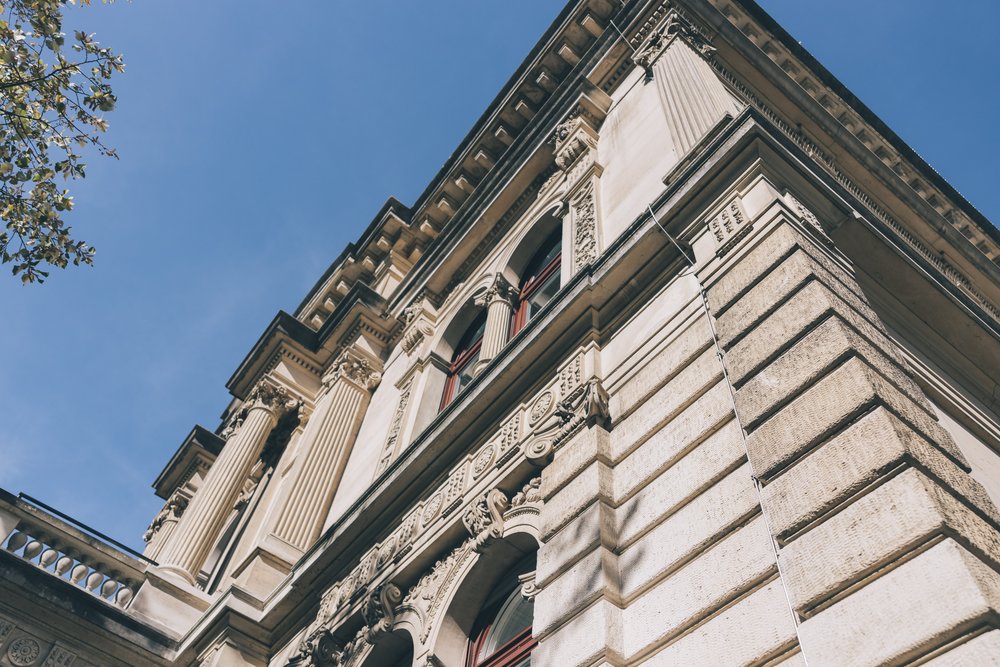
[(69, 553)]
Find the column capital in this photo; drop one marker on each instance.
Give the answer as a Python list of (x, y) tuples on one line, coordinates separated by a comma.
[(264, 396), (354, 367), (499, 289)]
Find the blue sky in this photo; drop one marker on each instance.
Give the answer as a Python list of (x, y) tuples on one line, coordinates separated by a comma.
[(255, 144)]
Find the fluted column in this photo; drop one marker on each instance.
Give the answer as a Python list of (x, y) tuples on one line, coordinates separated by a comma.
[(206, 514), (328, 440), (499, 303), (163, 525)]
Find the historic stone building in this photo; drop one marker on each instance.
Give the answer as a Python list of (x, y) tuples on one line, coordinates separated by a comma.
[(683, 358)]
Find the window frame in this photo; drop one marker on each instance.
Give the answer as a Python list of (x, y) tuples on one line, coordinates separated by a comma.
[(465, 352), (510, 654), (534, 278)]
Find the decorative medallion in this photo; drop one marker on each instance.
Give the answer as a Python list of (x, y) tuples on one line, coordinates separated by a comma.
[(431, 509), (483, 460), (23, 652), (540, 408)]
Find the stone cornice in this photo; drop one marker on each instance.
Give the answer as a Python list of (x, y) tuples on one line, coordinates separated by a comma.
[(200, 443)]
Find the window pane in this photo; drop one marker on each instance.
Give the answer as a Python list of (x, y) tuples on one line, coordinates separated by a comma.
[(543, 295), (465, 372), (514, 617)]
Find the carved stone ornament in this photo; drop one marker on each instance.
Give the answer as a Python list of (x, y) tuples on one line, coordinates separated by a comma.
[(499, 290), (729, 226), (355, 368), (23, 652), (416, 327), (59, 657), (586, 406), (379, 610), (675, 25), (172, 509), (540, 408), (528, 588), (264, 395), (427, 596), (584, 211), (484, 519), (320, 649), (531, 493), (389, 446)]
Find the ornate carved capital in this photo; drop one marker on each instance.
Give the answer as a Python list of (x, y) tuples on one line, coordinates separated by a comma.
[(484, 519), (172, 509), (416, 326), (379, 610), (673, 26), (355, 368), (528, 588), (499, 290), (264, 396)]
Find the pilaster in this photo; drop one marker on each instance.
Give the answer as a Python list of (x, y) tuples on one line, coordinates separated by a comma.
[(868, 501)]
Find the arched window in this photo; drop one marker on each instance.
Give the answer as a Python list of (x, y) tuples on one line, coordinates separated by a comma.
[(464, 360), (502, 635), (540, 281)]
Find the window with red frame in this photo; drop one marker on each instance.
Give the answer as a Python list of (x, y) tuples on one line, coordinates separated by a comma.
[(502, 636), (464, 360), (540, 281)]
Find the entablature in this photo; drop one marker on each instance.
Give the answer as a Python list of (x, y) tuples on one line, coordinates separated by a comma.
[(197, 452)]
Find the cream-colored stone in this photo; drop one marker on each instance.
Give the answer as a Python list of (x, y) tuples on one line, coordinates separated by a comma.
[(703, 466), (689, 530), (808, 360), (563, 597), (586, 488), (851, 461), (701, 420), (904, 513), (665, 404), (840, 396), (571, 542), (982, 650), (907, 611), (700, 588), (582, 639), (747, 633), (660, 368), (774, 288), (808, 306)]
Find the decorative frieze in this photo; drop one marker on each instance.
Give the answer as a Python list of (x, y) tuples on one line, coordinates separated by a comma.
[(568, 403), (729, 225), (583, 210), (389, 446), (23, 652)]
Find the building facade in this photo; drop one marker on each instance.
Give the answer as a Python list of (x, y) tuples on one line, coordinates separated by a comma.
[(683, 358)]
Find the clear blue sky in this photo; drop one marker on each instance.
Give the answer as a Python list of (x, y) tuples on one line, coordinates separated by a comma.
[(255, 144)]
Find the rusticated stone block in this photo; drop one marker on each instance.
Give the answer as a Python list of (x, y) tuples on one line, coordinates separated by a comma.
[(664, 365), (700, 468), (844, 394), (662, 406), (585, 447), (561, 598), (808, 306), (700, 419), (592, 484), (910, 610), (689, 530), (778, 245), (751, 631), (583, 639), (855, 459), (706, 584), (808, 360), (571, 542), (982, 651), (773, 289), (880, 527)]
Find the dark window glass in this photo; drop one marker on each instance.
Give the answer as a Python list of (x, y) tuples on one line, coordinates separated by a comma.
[(463, 362), (503, 636), (540, 281)]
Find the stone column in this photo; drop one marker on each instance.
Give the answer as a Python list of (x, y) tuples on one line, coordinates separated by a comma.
[(327, 443), (499, 303), (206, 514), (163, 525)]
